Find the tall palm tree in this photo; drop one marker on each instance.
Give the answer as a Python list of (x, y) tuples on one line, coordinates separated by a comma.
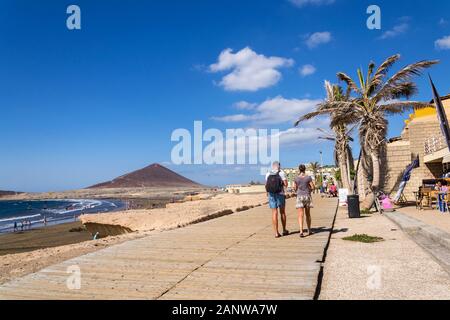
[(315, 167), (374, 98), (341, 136)]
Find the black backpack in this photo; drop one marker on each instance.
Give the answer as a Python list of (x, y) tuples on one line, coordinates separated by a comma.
[(274, 183)]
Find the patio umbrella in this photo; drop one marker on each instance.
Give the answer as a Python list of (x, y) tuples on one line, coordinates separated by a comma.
[(441, 114)]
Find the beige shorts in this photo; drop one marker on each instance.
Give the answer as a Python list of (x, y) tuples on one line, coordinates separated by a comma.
[(304, 202)]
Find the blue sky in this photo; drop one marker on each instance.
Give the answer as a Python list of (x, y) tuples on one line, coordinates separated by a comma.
[(83, 106)]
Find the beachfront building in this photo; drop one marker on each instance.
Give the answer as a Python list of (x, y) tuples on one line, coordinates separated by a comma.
[(420, 137)]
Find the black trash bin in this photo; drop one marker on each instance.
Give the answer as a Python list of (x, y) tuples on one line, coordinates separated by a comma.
[(353, 206)]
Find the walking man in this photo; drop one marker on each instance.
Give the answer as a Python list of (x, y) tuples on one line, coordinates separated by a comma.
[(276, 181)]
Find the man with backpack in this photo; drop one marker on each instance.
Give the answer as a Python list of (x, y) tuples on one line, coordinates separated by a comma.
[(276, 181)]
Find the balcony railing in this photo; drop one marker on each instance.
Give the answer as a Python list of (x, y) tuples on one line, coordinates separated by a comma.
[(434, 144)]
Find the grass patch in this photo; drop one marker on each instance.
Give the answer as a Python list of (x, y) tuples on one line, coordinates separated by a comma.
[(364, 238), (366, 211)]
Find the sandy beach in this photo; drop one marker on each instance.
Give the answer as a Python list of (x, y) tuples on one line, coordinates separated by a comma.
[(41, 238), (108, 193), (176, 215)]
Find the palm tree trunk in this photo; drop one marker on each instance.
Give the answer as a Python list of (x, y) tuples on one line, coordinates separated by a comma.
[(344, 176), (370, 199), (349, 176), (344, 172)]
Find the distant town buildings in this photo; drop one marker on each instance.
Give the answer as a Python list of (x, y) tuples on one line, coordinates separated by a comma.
[(328, 172)]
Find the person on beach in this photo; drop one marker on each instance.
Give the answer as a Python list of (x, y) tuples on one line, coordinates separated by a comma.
[(304, 185), (325, 186), (333, 190), (15, 226), (276, 181)]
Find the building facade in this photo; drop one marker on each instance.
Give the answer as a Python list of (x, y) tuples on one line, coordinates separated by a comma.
[(420, 137)]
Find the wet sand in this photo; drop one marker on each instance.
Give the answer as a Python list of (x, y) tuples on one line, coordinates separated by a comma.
[(40, 238)]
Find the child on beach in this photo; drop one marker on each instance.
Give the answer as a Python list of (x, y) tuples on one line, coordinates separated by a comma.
[(303, 185)]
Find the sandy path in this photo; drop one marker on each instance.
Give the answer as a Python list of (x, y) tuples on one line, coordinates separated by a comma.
[(431, 217), (396, 268)]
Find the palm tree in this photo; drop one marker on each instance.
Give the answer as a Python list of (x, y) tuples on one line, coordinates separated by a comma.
[(315, 167), (343, 156), (376, 97), (341, 136)]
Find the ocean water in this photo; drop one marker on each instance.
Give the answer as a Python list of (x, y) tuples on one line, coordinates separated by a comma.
[(53, 211)]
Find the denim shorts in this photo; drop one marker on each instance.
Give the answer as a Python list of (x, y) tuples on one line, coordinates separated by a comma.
[(277, 200)]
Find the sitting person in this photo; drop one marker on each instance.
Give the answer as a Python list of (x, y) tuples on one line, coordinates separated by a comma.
[(333, 190), (444, 187), (438, 186)]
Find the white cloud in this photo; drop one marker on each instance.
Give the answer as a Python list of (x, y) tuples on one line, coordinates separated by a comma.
[(303, 3), (317, 39), (249, 71), (399, 29), (274, 111), (297, 136), (307, 70), (443, 43), (244, 105)]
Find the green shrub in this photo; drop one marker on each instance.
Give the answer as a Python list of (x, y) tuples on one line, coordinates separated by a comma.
[(364, 238), (366, 211)]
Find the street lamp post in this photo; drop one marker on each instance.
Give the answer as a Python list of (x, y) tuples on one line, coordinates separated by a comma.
[(321, 167)]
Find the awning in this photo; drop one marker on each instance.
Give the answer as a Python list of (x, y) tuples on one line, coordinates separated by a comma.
[(438, 156), (446, 159)]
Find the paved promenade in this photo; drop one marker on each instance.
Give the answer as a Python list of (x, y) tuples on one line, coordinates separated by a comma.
[(233, 257)]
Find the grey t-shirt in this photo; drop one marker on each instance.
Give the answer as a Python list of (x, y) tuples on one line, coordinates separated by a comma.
[(303, 185)]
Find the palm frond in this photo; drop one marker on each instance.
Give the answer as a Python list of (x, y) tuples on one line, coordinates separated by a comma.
[(327, 138), (329, 90), (313, 114), (402, 106), (383, 69), (404, 75), (349, 81), (350, 131), (325, 132), (401, 90)]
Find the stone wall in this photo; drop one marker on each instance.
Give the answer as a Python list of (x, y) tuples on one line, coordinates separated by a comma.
[(419, 131), (399, 155)]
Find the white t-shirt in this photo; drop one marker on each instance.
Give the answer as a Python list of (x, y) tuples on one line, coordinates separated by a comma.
[(282, 176)]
